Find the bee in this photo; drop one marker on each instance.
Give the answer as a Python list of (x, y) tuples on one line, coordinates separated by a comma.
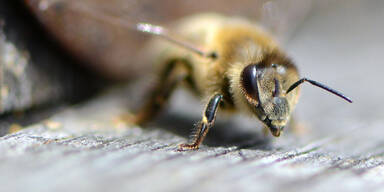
[(230, 63), (241, 69)]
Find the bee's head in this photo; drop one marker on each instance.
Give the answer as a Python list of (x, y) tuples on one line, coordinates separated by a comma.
[(271, 92), (263, 90)]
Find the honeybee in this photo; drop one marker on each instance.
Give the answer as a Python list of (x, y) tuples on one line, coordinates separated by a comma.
[(230, 63), (241, 68)]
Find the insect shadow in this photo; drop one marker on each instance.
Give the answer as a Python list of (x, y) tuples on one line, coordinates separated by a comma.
[(226, 133)]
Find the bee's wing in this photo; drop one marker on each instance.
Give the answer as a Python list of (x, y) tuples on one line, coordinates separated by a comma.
[(104, 33)]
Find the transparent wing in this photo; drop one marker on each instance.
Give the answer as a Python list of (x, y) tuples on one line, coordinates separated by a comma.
[(104, 34)]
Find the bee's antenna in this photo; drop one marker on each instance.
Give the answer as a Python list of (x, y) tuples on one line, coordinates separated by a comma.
[(315, 83), (277, 90)]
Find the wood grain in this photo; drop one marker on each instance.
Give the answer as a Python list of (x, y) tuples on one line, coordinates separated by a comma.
[(81, 148)]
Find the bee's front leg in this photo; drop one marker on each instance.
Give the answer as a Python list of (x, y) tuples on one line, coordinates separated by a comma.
[(205, 124)]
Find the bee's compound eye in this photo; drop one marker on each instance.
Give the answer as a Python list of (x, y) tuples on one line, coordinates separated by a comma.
[(249, 81)]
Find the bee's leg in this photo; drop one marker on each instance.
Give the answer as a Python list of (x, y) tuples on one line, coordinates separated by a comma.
[(207, 122), (175, 72)]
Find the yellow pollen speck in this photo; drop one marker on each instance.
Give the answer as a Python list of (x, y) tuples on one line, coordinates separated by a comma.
[(205, 120)]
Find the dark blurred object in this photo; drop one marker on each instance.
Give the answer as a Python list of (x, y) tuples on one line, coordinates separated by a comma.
[(33, 70), (112, 50)]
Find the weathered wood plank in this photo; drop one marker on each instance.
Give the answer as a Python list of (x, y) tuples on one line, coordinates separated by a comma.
[(64, 150)]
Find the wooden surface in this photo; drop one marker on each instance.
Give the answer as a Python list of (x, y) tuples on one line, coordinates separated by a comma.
[(87, 148)]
